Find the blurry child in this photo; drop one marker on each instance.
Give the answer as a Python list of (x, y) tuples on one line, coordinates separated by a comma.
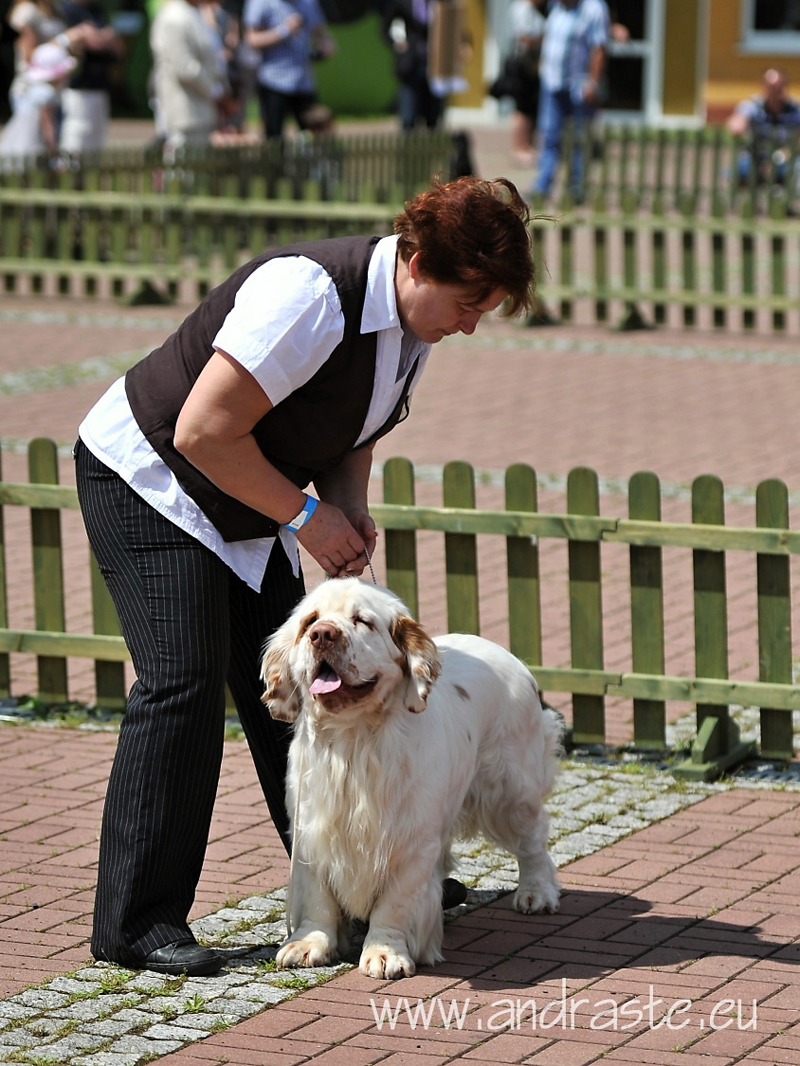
[(33, 128)]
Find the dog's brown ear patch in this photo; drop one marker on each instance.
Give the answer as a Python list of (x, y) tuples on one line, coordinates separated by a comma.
[(421, 660), (279, 698), (280, 695)]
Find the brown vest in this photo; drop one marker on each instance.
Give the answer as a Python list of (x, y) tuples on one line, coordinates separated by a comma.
[(309, 432)]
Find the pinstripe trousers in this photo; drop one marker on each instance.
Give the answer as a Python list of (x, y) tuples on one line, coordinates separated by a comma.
[(191, 625)]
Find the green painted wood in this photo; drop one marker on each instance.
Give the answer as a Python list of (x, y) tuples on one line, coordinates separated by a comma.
[(51, 645), (572, 527), (5, 662), (110, 688), (710, 605), (647, 612), (697, 137), (461, 553), (747, 258), (658, 245), (632, 318), (773, 579), (26, 495), (680, 193), (717, 691), (566, 237), (48, 577), (65, 236), (600, 259), (522, 564), (688, 259), (777, 211), (585, 608), (401, 545), (231, 233), (719, 272)]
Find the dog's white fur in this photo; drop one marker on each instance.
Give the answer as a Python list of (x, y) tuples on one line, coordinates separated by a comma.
[(377, 791)]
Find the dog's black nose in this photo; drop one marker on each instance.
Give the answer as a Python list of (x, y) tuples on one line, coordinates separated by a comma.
[(322, 634)]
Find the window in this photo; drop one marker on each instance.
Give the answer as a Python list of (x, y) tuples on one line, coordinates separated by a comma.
[(771, 27)]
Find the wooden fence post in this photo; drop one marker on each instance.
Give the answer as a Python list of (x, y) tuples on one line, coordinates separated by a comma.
[(48, 575), (777, 210), (401, 544), (522, 554), (717, 745), (710, 608), (688, 258), (461, 553), (748, 261), (585, 608), (630, 239), (647, 611), (774, 619), (718, 260)]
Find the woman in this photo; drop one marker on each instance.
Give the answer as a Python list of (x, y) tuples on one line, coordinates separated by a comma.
[(192, 473)]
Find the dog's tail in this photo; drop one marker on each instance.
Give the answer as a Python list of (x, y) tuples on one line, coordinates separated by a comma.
[(555, 730)]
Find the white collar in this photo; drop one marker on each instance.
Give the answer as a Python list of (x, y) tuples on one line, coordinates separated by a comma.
[(380, 305)]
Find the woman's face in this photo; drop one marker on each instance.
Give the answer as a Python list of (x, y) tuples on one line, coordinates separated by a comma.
[(433, 309)]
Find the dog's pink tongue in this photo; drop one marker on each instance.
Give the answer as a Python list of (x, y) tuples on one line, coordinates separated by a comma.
[(328, 681)]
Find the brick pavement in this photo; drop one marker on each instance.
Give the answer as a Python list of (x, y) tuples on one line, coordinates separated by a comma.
[(700, 906)]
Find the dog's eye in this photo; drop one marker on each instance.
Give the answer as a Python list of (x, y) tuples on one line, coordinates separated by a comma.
[(359, 621), (307, 622)]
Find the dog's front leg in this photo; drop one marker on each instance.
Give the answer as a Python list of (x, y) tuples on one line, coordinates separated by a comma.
[(315, 916), (405, 927)]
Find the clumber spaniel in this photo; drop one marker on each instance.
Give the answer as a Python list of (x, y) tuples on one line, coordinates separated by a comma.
[(377, 790)]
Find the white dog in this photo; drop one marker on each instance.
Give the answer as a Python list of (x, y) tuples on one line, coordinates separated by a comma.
[(377, 790)]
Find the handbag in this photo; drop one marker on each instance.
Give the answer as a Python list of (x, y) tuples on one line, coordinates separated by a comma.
[(517, 73), (507, 82)]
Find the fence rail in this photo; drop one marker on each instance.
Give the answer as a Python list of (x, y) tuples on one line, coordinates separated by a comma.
[(524, 529)]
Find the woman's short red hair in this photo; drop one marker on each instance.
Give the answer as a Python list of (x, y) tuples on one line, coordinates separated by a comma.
[(471, 232)]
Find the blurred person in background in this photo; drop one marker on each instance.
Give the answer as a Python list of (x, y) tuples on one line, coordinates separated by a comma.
[(768, 119), (527, 29), (33, 127), (288, 35), (86, 101), (187, 83), (574, 44)]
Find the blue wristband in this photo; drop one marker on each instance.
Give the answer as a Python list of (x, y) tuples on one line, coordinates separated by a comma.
[(300, 519)]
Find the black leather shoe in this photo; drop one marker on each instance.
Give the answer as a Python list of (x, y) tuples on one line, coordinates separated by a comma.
[(453, 893), (184, 956)]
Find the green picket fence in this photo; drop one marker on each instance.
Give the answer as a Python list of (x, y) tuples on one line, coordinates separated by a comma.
[(374, 167), (524, 528), (635, 269), (666, 169), (162, 244)]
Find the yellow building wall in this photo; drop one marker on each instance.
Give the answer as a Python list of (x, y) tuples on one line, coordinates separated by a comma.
[(475, 19), (680, 57), (731, 75)]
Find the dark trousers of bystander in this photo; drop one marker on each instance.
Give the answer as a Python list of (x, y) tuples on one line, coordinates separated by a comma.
[(276, 107)]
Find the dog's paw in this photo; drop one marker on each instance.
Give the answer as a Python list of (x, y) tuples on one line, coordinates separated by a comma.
[(314, 949), (384, 962), (537, 899)]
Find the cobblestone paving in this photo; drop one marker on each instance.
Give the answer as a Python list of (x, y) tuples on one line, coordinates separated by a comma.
[(103, 1015)]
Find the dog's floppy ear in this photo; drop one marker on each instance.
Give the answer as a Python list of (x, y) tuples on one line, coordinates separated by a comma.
[(422, 664), (281, 695)]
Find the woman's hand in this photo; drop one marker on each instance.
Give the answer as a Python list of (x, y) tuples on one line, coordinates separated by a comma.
[(334, 542)]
